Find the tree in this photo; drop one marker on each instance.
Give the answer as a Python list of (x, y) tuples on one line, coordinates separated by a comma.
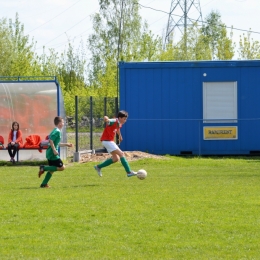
[(225, 46), (71, 72), (216, 37), (192, 46), (119, 36), (72, 68), (248, 48), (69, 67), (49, 64), (17, 51), (18, 58), (5, 51)]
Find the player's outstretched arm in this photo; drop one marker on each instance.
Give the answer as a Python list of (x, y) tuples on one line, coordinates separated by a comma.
[(66, 144)]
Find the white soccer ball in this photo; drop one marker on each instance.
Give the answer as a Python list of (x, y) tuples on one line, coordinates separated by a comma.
[(141, 174)]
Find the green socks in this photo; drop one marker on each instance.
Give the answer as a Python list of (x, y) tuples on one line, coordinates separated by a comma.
[(47, 178), (125, 164), (105, 163), (110, 161), (50, 168)]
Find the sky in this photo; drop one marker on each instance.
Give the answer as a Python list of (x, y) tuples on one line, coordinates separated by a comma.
[(52, 23)]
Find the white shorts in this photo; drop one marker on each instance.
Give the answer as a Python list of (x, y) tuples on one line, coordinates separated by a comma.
[(110, 146)]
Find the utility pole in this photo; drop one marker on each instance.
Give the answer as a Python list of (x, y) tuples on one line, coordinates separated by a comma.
[(183, 13)]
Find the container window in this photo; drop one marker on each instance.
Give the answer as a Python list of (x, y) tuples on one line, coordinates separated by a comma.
[(219, 102)]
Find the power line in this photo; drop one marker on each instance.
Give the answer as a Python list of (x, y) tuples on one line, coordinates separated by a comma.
[(157, 10), (78, 36), (65, 42), (230, 27), (67, 30), (54, 17), (147, 7)]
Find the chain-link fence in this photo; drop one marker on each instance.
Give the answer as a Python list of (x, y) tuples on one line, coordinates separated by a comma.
[(86, 126)]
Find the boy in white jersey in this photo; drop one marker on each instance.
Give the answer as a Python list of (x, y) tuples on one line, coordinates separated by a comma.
[(111, 129)]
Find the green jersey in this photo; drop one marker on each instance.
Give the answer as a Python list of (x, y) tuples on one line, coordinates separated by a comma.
[(55, 136)]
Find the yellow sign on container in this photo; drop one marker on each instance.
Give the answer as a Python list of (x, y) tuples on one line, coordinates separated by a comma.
[(220, 133)]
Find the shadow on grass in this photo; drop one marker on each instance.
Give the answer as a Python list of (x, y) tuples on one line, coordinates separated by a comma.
[(58, 187), (23, 163), (82, 186), (254, 158)]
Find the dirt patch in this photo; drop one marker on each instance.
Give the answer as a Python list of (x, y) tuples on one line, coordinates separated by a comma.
[(130, 156)]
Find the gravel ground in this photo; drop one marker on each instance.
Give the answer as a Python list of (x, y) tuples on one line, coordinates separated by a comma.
[(130, 156), (97, 157)]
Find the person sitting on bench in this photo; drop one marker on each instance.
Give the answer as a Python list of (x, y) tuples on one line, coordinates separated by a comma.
[(15, 141)]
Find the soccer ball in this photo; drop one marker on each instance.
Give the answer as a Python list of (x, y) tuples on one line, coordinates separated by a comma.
[(141, 174)]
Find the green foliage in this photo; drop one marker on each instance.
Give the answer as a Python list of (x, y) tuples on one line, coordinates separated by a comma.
[(209, 42), (187, 208), (119, 36), (18, 59), (107, 79), (69, 67), (212, 30), (49, 63), (72, 68), (225, 46), (190, 47), (215, 33), (249, 49), (17, 54)]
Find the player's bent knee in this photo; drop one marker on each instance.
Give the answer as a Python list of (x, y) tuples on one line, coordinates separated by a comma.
[(120, 154), (115, 159), (61, 168)]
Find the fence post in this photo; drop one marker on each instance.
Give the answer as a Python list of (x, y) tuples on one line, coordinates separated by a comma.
[(76, 154), (116, 105), (76, 124), (116, 112), (91, 124), (105, 110), (105, 106)]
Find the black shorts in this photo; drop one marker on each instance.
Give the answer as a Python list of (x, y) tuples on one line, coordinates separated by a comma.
[(58, 163)]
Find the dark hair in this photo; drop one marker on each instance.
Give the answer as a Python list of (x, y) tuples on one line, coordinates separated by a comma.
[(57, 120), (122, 113), (15, 123)]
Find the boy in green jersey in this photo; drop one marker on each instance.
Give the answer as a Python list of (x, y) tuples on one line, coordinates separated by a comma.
[(52, 154)]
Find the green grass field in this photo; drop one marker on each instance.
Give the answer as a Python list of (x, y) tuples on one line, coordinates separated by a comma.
[(187, 208)]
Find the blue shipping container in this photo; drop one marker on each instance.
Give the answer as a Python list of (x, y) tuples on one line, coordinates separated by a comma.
[(196, 107)]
